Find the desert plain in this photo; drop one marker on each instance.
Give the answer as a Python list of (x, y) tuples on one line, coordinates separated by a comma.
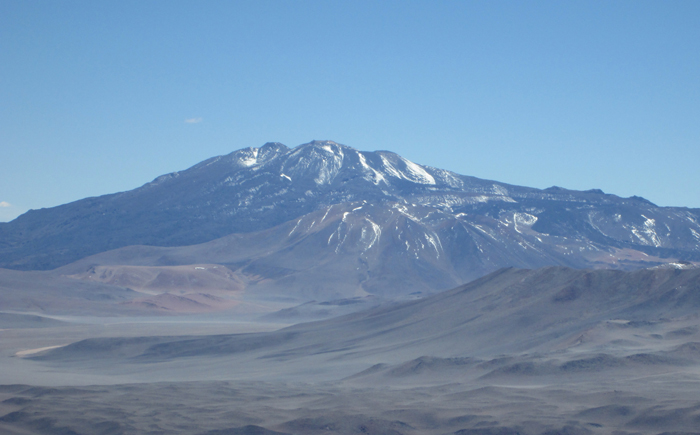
[(546, 351)]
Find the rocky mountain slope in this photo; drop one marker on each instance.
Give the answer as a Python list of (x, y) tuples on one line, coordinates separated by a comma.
[(375, 211), (359, 249), (558, 313)]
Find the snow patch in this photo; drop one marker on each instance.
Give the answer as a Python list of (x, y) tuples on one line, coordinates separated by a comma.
[(435, 242), (695, 234), (404, 211), (250, 158), (499, 190), (650, 231), (414, 173), (525, 219), (418, 174), (295, 227), (329, 169), (327, 211), (376, 234), (374, 175)]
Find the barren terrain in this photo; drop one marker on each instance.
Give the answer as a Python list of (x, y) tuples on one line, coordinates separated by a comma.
[(550, 351)]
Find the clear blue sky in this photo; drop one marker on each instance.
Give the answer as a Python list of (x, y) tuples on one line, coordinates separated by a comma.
[(95, 96)]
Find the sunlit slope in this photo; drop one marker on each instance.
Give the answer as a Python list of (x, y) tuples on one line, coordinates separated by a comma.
[(510, 312), (256, 189)]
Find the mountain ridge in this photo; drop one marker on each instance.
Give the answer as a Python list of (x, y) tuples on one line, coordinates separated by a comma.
[(510, 311), (254, 189)]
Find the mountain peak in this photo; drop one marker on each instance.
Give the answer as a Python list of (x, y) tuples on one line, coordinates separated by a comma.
[(274, 145), (326, 145), (323, 142), (257, 188), (251, 156)]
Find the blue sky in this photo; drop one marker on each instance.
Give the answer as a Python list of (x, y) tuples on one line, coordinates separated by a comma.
[(95, 97)]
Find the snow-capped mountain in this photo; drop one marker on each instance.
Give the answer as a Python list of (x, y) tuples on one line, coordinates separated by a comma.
[(377, 208)]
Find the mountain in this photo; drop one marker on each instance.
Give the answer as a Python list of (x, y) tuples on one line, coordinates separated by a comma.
[(556, 312), (350, 250), (326, 216)]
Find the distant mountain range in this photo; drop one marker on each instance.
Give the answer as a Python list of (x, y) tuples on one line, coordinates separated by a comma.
[(323, 221)]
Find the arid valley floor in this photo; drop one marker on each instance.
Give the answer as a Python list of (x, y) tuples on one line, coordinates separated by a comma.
[(550, 351)]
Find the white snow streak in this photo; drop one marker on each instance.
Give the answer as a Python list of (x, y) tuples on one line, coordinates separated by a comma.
[(650, 231), (375, 175), (523, 219), (435, 241), (251, 159), (418, 173), (404, 211), (695, 234), (413, 172), (295, 227), (327, 211), (376, 233)]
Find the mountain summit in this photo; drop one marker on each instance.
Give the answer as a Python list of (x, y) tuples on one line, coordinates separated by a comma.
[(377, 207)]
